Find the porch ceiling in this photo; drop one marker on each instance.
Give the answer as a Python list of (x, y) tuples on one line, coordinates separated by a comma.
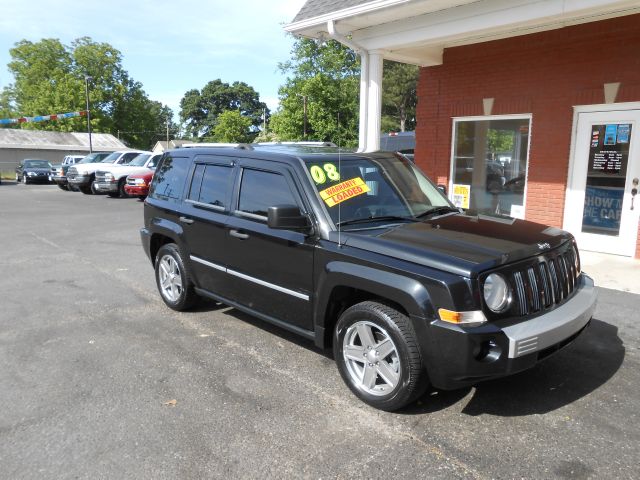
[(417, 31)]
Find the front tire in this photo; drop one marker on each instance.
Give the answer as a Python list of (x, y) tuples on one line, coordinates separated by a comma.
[(378, 357), (121, 184), (25, 179), (173, 280)]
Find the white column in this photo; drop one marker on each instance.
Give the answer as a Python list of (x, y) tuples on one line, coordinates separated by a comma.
[(374, 103), (364, 99)]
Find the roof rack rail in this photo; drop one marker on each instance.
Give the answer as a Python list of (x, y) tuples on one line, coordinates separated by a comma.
[(302, 144), (239, 146)]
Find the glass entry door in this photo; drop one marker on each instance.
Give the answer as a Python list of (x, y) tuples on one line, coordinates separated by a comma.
[(602, 203)]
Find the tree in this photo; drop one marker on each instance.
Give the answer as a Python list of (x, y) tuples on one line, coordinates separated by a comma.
[(325, 76), (399, 97), (199, 110), (49, 77), (232, 127)]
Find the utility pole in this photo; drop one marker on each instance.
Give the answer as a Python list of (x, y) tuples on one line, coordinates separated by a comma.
[(167, 133), (87, 79), (304, 113)]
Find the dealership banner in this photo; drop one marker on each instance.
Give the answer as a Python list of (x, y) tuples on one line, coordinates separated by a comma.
[(42, 118)]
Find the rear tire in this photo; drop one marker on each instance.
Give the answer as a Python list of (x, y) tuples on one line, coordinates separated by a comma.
[(62, 187), (173, 279), (378, 356)]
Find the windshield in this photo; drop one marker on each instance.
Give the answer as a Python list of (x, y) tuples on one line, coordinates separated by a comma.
[(139, 160), (112, 157), (93, 158), (36, 164), (379, 189)]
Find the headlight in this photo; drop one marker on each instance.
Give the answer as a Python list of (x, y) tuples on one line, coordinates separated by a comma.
[(496, 293), (31, 174), (139, 181)]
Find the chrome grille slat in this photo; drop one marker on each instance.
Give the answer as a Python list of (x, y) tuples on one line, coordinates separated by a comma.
[(520, 292), (535, 294), (547, 295)]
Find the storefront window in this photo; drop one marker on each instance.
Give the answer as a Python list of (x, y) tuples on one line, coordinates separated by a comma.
[(489, 166)]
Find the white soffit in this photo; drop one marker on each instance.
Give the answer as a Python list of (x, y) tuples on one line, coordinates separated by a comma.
[(418, 31)]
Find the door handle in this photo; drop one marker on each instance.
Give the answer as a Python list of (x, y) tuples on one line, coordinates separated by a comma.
[(237, 234), (186, 220)]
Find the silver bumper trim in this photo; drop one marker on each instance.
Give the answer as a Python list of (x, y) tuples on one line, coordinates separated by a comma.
[(555, 326)]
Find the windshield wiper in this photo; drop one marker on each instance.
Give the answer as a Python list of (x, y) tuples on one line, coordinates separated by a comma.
[(374, 218), (437, 210)]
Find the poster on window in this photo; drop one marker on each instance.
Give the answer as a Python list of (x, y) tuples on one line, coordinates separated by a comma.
[(602, 210), (609, 150), (461, 194)]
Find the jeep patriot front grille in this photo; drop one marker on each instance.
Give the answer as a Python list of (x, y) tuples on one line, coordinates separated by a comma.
[(546, 283)]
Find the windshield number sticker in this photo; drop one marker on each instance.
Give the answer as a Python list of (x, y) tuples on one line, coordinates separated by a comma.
[(320, 174), (332, 196)]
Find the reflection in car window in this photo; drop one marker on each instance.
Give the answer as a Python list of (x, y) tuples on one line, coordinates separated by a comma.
[(260, 190), (168, 180), (211, 184)]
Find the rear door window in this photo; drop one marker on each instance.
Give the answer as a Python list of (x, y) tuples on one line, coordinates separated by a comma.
[(211, 185)]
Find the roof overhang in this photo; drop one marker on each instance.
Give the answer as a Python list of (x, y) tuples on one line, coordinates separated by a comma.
[(418, 31)]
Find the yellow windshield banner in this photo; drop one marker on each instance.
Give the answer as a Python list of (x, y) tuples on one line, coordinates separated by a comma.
[(332, 196)]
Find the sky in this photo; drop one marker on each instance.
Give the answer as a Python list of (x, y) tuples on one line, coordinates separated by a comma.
[(170, 47)]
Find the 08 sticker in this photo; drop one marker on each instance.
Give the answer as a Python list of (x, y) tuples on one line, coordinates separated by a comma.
[(321, 174)]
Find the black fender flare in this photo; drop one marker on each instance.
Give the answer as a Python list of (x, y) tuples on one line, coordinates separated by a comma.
[(407, 292)]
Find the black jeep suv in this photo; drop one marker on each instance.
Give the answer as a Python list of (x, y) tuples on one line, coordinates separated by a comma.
[(363, 253)]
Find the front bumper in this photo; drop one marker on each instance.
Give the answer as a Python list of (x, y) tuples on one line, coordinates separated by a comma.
[(106, 187), (136, 190), (458, 357), (60, 180), (79, 180)]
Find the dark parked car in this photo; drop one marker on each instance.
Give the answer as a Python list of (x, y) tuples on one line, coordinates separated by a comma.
[(362, 253), (33, 170)]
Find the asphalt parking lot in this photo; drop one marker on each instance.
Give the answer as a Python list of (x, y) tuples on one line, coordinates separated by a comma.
[(100, 380)]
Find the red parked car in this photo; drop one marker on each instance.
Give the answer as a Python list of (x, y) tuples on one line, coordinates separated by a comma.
[(138, 185)]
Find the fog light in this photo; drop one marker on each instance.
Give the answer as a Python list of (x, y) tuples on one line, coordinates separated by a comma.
[(487, 352)]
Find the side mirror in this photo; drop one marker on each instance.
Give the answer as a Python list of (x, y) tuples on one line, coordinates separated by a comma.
[(287, 217), (442, 188)]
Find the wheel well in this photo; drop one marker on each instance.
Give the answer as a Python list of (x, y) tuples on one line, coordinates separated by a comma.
[(343, 297), (157, 241)]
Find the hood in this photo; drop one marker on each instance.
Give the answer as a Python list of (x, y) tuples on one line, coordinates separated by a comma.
[(465, 244), (90, 167)]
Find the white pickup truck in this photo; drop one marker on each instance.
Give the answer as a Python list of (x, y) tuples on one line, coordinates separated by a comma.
[(111, 179), (81, 175)]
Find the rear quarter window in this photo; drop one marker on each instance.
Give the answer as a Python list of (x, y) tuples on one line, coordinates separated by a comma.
[(168, 181)]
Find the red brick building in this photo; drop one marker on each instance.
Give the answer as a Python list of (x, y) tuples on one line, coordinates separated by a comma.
[(526, 108)]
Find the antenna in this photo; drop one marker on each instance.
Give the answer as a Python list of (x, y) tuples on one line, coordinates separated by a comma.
[(340, 174)]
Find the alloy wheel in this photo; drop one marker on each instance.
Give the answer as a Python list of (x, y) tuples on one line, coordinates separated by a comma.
[(170, 278), (371, 358)]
